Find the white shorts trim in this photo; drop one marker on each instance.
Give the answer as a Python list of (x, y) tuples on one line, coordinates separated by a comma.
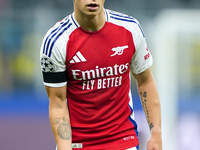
[(133, 148)]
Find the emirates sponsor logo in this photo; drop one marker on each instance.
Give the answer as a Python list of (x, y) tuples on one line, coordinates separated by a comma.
[(100, 72), (101, 78)]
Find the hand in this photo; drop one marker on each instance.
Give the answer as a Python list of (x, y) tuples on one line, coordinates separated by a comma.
[(155, 142)]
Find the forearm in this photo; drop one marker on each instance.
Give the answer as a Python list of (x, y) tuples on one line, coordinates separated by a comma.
[(151, 104), (60, 124)]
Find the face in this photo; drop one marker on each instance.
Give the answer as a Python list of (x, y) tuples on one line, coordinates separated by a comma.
[(88, 7)]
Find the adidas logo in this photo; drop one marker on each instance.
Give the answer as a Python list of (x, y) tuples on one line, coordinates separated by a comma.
[(77, 58)]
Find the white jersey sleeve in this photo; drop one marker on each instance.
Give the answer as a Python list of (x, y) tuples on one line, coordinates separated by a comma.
[(53, 57), (142, 59)]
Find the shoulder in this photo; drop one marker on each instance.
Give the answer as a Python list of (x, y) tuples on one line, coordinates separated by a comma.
[(126, 21), (58, 35)]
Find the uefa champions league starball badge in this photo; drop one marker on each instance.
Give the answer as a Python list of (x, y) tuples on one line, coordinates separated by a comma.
[(47, 65)]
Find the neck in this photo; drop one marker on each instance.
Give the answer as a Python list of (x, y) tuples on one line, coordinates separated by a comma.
[(91, 23)]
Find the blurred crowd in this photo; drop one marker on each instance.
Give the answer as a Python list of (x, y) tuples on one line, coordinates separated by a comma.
[(23, 23)]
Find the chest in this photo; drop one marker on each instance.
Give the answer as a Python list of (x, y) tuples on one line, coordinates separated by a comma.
[(107, 52)]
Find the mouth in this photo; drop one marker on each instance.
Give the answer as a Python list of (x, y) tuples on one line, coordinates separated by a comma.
[(92, 6)]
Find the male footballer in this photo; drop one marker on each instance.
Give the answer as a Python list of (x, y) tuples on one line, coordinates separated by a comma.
[(86, 60)]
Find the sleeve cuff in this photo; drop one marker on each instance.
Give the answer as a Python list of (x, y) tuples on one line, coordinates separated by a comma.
[(56, 85)]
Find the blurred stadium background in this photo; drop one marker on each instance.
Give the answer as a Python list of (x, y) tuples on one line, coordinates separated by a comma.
[(172, 30)]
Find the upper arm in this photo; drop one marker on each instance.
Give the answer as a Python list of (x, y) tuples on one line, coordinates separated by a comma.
[(58, 92), (144, 77), (57, 96), (53, 65)]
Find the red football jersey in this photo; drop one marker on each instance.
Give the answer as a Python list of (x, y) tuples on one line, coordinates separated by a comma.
[(96, 68)]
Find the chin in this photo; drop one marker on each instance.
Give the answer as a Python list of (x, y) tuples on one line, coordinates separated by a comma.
[(92, 14)]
